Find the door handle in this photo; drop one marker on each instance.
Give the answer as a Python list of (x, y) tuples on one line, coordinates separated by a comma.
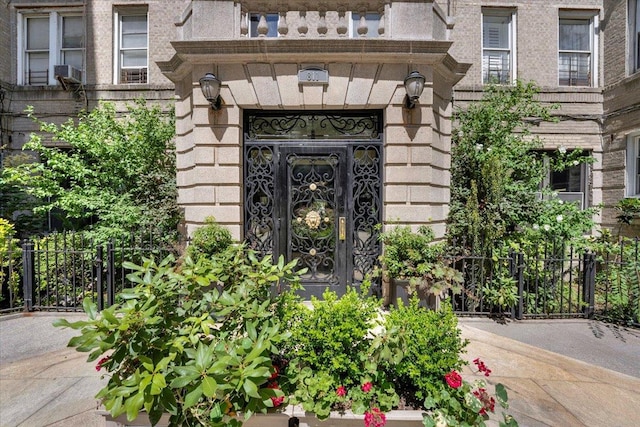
[(342, 228)]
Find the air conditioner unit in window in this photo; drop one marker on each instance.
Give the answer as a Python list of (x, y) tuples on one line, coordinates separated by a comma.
[(67, 73)]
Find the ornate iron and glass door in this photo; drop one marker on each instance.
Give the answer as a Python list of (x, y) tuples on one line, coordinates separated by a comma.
[(314, 213), (313, 193)]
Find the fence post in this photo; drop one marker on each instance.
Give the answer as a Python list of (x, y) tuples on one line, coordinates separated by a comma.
[(520, 279), (589, 283), (99, 275), (110, 275), (28, 274)]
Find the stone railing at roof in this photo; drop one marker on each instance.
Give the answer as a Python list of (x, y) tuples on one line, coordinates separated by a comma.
[(408, 19)]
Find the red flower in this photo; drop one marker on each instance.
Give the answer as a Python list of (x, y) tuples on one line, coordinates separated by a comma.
[(374, 418), (277, 401), (276, 372), (101, 362), (488, 402), (482, 367), (366, 387), (453, 379), (341, 391)]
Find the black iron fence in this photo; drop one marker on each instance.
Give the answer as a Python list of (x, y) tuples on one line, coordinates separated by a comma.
[(59, 271), (551, 279)]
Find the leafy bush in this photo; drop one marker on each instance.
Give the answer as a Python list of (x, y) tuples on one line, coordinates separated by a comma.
[(415, 257), (430, 344), (617, 293), (10, 261), (119, 174), (210, 239), (332, 348), (195, 341)]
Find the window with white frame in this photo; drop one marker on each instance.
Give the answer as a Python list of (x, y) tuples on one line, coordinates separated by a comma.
[(365, 24), (577, 43), (263, 24), (47, 39), (634, 36), (131, 50), (570, 183), (498, 46), (633, 165)]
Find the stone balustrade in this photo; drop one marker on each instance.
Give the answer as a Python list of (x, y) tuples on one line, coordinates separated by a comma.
[(255, 19)]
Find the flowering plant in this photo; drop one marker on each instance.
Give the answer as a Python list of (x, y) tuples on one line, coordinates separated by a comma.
[(211, 342), (460, 403)]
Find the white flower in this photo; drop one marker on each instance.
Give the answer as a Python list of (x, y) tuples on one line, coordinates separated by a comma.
[(559, 218), (560, 201), (478, 147), (575, 163), (488, 149), (562, 149), (546, 227), (536, 227)]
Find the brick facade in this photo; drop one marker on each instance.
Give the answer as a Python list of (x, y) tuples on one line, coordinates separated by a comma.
[(429, 36)]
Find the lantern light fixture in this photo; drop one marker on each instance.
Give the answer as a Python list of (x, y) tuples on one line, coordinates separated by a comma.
[(414, 85), (210, 86)]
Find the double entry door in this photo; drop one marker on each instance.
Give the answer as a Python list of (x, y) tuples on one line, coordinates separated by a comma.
[(312, 192)]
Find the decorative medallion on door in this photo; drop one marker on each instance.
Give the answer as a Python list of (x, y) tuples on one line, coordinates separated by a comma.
[(316, 200)]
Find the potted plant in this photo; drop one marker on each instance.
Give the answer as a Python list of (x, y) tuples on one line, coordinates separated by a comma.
[(412, 263), (217, 340)]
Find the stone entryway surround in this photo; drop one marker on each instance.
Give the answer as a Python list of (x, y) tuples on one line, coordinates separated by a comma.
[(364, 73)]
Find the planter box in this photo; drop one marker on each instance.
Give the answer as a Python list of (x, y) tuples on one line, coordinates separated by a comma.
[(281, 419), (399, 289)]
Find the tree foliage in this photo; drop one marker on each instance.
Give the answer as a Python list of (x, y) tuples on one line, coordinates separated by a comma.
[(115, 174), (496, 170)]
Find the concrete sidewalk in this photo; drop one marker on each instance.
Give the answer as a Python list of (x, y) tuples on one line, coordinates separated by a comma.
[(43, 383)]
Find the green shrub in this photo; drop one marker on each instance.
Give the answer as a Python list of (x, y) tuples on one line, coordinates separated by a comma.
[(210, 239), (332, 347), (430, 344), (195, 341), (10, 261)]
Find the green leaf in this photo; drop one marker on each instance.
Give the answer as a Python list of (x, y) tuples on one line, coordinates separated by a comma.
[(133, 405), (250, 388), (192, 397), (158, 384), (90, 308), (501, 394), (209, 386)]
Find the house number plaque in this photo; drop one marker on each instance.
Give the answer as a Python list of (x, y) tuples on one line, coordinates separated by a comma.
[(313, 76)]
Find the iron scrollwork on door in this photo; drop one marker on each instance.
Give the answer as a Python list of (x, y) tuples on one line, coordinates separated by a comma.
[(301, 126), (311, 214), (291, 190), (260, 172)]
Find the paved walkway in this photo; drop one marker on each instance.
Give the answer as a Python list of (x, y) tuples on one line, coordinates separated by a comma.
[(43, 383)]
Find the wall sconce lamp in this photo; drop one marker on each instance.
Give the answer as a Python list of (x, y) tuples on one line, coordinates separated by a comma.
[(414, 85), (210, 86)]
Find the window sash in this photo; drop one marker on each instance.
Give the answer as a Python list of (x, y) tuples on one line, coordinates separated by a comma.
[(636, 172), (133, 52), (575, 35), (48, 39), (37, 34), (634, 35), (575, 52), (497, 46), (574, 69)]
